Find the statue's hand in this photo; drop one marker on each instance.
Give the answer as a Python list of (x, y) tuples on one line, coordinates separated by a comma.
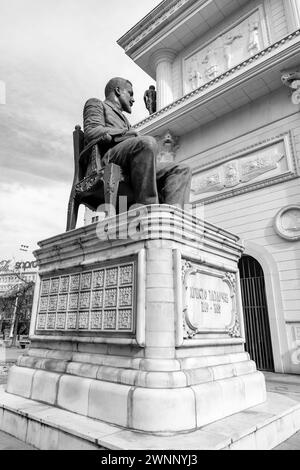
[(107, 138), (132, 133)]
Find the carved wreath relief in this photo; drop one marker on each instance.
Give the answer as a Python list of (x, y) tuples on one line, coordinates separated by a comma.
[(209, 300), (95, 300), (235, 46), (287, 223)]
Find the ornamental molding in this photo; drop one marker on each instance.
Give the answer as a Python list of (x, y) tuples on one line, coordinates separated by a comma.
[(273, 55)]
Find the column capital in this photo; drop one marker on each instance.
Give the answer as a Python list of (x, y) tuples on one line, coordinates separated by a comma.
[(162, 55)]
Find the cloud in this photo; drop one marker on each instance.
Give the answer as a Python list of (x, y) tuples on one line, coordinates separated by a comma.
[(54, 56), (30, 214)]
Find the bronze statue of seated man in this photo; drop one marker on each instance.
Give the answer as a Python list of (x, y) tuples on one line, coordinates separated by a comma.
[(106, 126)]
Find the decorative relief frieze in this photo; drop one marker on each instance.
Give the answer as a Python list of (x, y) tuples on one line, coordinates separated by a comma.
[(98, 300), (189, 97), (267, 162), (209, 300), (225, 52)]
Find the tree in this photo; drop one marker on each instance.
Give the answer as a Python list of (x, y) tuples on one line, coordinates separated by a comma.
[(16, 305)]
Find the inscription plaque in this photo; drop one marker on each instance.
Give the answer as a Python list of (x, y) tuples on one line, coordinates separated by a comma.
[(209, 300)]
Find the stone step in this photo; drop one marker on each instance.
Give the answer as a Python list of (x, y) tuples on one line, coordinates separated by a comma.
[(46, 427)]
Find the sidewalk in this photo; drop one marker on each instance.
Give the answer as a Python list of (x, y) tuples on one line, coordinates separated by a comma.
[(288, 385)]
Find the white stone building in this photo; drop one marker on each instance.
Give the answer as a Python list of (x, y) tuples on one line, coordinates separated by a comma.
[(221, 68)]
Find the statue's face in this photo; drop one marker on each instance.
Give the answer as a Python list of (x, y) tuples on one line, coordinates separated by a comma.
[(126, 99)]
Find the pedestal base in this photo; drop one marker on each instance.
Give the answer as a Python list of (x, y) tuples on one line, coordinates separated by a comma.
[(237, 386), (138, 323), (47, 427)]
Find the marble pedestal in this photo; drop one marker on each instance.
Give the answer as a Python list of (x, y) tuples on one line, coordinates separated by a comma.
[(138, 323)]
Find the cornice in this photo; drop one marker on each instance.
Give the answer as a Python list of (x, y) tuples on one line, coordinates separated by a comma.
[(287, 47), (165, 12)]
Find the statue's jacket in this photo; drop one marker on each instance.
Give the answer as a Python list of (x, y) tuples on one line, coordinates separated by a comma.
[(99, 119)]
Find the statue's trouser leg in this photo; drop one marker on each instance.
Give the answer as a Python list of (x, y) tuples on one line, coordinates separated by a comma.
[(174, 183), (137, 157)]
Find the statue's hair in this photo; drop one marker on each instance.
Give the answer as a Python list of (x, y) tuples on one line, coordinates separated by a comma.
[(115, 83)]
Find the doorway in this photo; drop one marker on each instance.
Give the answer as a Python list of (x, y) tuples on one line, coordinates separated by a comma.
[(256, 317)]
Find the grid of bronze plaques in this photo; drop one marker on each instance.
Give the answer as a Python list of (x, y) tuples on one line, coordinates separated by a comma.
[(94, 300)]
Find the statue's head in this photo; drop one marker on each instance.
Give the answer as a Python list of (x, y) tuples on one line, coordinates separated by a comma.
[(119, 90), (152, 87)]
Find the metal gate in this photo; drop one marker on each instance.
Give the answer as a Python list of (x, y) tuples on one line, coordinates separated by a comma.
[(257, 327)]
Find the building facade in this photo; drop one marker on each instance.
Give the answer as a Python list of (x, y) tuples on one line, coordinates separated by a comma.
[(17, 280), (13, 274), (228, 85)]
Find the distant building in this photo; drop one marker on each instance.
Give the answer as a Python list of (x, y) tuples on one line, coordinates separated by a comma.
[(13, 274), (16, 279)]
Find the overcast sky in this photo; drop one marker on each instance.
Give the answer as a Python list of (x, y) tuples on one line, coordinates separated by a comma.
[(54, 55)]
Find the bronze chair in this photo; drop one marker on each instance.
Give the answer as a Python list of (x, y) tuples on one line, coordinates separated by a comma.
[(102, 185)]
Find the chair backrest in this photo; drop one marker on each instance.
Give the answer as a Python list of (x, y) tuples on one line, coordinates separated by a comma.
[(78, 144)]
